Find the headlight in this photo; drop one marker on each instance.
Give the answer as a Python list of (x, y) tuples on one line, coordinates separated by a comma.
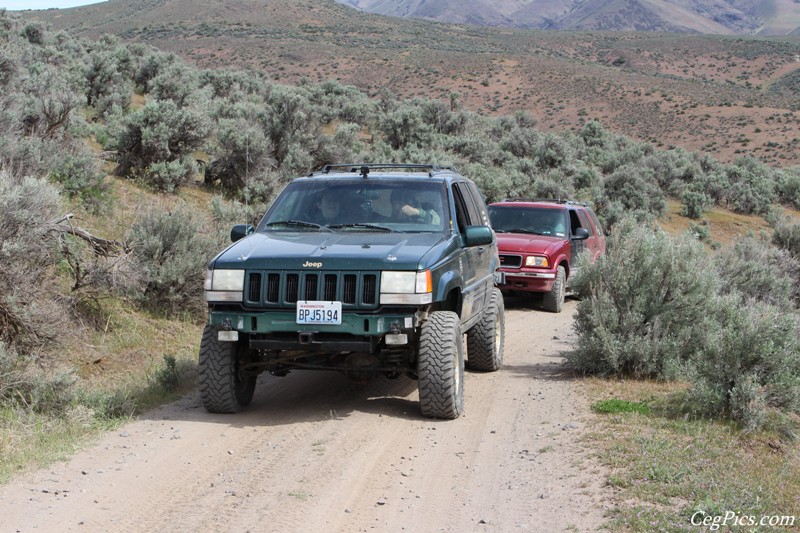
[(226, 280), (537, 261), (410, 288), (398, 282), (224, 285)]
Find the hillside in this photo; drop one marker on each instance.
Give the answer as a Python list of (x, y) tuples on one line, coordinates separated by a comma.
[(728, 96), (761, 17)]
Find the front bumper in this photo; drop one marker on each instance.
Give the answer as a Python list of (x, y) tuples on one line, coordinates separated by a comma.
[(528, 280), (282, 322)]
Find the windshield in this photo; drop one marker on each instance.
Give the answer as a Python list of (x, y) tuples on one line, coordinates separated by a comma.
[(524, 219), (359, 205)]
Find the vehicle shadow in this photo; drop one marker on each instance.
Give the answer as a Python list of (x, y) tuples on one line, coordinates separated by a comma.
[(305, 397), (546, 371), (530, 301)]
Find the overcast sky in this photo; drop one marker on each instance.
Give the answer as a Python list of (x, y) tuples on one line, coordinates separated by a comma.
[(43, 4)]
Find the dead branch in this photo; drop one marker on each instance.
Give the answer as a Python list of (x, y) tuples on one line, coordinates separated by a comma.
[(100, 246)]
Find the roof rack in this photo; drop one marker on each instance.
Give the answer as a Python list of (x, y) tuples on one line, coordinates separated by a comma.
[(364, 168), (551, 200)]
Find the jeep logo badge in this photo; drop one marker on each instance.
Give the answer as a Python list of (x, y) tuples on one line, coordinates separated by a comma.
[(309, 264)]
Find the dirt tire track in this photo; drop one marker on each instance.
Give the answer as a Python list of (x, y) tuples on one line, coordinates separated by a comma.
[(317, 452)]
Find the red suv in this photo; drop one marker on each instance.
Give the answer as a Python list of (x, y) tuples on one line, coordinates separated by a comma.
[(539, 242)]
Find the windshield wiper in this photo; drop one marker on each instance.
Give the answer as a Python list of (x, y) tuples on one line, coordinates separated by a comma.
[(362, 226), (520, 230), (300, 223)]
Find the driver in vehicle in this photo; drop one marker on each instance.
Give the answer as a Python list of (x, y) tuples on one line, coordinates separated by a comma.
[(327, 210), (407, 206)]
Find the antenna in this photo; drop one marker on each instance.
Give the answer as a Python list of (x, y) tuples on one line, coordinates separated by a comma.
[(247, 180)]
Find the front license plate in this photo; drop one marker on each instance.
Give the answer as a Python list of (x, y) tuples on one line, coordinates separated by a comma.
[(313, 312)]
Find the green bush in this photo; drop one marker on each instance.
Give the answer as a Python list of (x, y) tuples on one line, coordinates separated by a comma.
[(750, 364), (31, 313), (759, 271), (405, 126), (751, 186), (24, 384), (695, 203), (644, 305), (168, 176), (788, 186), (80, 178), (172, 251), (159, 133), (787, 237), (176, 82)]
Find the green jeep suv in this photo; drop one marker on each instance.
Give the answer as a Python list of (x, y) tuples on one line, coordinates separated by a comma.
[(370, 270)]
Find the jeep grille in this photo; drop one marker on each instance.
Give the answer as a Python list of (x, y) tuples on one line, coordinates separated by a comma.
[(510, 261), (358, 290)]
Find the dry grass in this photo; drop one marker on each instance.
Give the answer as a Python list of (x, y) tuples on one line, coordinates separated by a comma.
[(666, 466), (724, 226)]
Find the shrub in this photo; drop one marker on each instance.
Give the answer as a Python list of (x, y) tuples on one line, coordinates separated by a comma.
[(787, 237), (405, 126), (636, 189), (31, 313), (695, 203), (750, 364), (11, 376), (752, 186), (25, 385), (34, 32), (109, 75), (246, 152), (158, 133), (644, 304), (552, 151), (176, 82), (80, 178), (173, 253), (758, 271), (288, 124), (168, 176), (788, 186)]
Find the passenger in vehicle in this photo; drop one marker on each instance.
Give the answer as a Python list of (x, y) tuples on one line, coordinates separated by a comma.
[(406, 206)]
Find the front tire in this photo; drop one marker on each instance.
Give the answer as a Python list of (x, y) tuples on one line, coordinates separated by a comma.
[(553, 301), (486, 339), (223, 388), (440, 366)]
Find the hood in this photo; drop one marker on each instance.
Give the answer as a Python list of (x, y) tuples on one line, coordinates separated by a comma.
[(523, 243), (332, 251)]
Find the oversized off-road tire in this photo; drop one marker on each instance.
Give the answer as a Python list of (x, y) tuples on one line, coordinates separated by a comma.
[(440, 366), (553, 301), (223, 389), (486, 339)]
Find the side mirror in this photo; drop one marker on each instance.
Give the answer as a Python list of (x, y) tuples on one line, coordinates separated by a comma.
[(240, 231), (478, 235), (581, 234)]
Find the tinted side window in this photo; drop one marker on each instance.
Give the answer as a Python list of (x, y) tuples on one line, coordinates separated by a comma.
[(462, 212), (585, 222), (473, 216), (574, 221), (596, 221), (480, 202)]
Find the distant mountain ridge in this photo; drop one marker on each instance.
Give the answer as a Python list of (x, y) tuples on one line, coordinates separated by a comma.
[(719, 17)]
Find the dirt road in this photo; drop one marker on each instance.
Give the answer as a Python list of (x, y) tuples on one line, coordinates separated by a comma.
[(317, 452)]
